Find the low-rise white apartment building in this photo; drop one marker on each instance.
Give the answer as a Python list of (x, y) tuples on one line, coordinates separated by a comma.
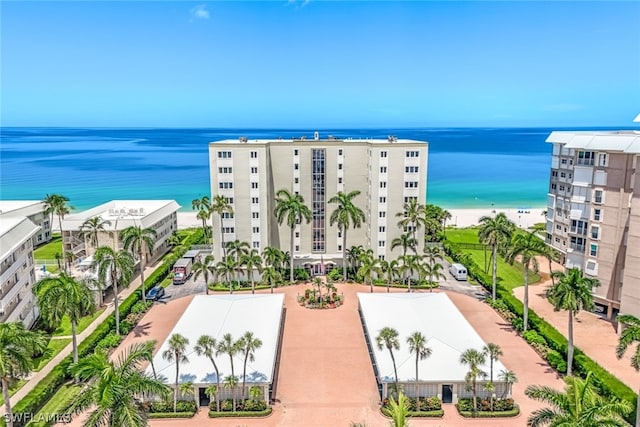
[(593, 212), (17, 274), (249, 173), (32, 209), (159, 215)]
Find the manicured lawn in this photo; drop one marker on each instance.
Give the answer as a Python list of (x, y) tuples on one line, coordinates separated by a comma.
[(65, 326), (462, 235), (12, 390), (49, 250), (54, 347), (60, 401)]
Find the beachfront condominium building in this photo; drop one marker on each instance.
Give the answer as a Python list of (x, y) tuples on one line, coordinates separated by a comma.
[(32, 209), (593, 212), (116, 215), (17, 274), (249, 173)]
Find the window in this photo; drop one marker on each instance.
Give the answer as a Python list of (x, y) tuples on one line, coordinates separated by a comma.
[(339, 180), (411, 169), (383, 169), (383, 154), (297, 234), (558, 227), (318, 184), (225, 170), (411, 184), (228, 230), (585, 158), (381, 257), (295, 152), (254, 170), (382, 199), (563, 174), (382, 214), (593, 249), (226, 185), (597, 214), (255, 229), (339, 247), (381, 243), (554, 186), (412, 154), (595, 232), (561, 188), (602, 160), (227, 215), (554, 174), (598, 196), (297, 248), (409, 198), (339, 166), (383, 184), (296, 166), (224, 154), (255, 215), (381, 229), (229, 200), (255, 200), (557, 240), (296, 180), (256, 245), (254, 154), (254, 185), (563, 161), (340, 152)]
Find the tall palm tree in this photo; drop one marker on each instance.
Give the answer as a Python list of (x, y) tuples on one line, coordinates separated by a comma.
[(176, 352), (572, 293), (273, 257), (291, 208), (248, 344), (114, 388), (630, 335), (527, 246), (389, 268), (271, 276), (230, 383), (406, 242), (353, 257), (474, 359), (147, 348), (141, 241), (220, 206), (204, 267), (552, 255), (369, 265), (345, 215), (212, 392), (207, 346), (203, 206), (57, 204), (187, 389), (18, 348), (433, 271), (579, 405), (64, 296), (226, 268), (411, 264), (432, 254), (509, 378), (388, 338), (418, 345), (92, 227), (229, 347), (252, 261), (493, 352), (412, 216), (118, 266), (495, 231), (237, 249)]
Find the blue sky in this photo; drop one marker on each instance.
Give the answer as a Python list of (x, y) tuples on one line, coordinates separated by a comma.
[(319, 64)]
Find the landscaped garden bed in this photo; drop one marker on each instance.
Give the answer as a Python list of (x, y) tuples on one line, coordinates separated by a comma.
[(315, 298), (488, 408), (420, 407), (164, 409)]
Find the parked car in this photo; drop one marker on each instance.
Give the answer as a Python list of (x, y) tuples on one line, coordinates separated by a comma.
[(155, 293)]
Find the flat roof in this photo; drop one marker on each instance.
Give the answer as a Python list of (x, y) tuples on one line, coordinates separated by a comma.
[(434, 315), (216, 315), (624, 141), (124, 213), (312, 141)]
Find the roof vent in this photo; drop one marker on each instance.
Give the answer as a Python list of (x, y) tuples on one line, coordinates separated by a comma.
[(392, 138), (243, 139)]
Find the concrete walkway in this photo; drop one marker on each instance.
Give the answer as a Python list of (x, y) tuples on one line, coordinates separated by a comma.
[(36, 377)]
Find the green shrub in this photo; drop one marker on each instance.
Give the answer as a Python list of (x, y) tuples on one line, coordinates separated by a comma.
[(300, 274), (532, 337), (171, 414), (167, 406), (141, 307), (556, 360), (256, 414), (110, 341)]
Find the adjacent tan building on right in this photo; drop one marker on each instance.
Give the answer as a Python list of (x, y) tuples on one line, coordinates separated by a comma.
[(593, 212)]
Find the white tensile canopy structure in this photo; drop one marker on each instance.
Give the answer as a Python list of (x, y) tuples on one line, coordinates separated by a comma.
[(448, 335), (217, 315)]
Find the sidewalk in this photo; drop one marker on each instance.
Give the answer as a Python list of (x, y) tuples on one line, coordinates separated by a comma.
[(36, 377)]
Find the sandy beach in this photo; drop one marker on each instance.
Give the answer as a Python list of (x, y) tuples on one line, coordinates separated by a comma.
[(459, 217)]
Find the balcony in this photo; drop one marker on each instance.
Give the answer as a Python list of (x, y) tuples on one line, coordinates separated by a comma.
[(584, 162), (582, 231), (575, 247)]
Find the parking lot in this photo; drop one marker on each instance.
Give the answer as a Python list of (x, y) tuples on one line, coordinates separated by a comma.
[(190, 287)]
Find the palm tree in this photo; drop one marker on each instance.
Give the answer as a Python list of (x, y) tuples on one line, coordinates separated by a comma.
[(353, 257), (229, 347), (418, 345), (203, 206), (527, 246), (509, 378), (226, 268), (220, 206), (572, 293), (412, 265), (432, 254), (212, 392), (237, 249), (64, 296), (345, 215), (187, 389), (208, 346), (147, 348), (389, 268), (176, 352), (92, 227), (59, 258), (119, 266), (493, 352), (388, 338), (412, 216), (273, 257), (252, 261), (204, 268), (368, 267), (406, 242), (57, 204), (398, 410), (630, 335), (495, 231), (114, 388), (174, 240), (433, 271), (552, 255), (139, 240), (291, 208), (230, 383), (248, 344), (18, 348), (271, 276), (474, 359), (579, 405)]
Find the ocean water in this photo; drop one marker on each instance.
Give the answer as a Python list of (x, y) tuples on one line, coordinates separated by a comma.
[(468, 167)]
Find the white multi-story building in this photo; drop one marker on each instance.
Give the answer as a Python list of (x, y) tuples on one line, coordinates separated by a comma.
[(159, 215), (17, 275), (387, 172), (32, 209), (593, 212)]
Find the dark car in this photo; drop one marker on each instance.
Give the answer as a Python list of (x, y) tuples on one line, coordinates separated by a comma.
[(155, 293)]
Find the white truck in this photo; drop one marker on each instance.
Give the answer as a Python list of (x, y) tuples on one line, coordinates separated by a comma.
[(182, 270), (458, 271)]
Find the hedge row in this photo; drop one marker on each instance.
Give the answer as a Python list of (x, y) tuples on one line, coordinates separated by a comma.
[(245, 414), (170, 414), (609, 385), (486, 414), (49, 385)]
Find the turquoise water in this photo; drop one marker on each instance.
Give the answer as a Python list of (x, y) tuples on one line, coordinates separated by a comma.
[(468, 167)]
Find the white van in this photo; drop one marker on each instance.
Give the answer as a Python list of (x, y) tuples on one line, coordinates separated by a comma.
[(458, 271)]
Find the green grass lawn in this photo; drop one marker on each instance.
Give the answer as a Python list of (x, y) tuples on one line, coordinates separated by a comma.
[(54, 347), (59, 402), (463, 235), (65, 326), (13, 389), (49, 250)]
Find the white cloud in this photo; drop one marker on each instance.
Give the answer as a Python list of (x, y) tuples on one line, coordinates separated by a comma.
[(199, 12)]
